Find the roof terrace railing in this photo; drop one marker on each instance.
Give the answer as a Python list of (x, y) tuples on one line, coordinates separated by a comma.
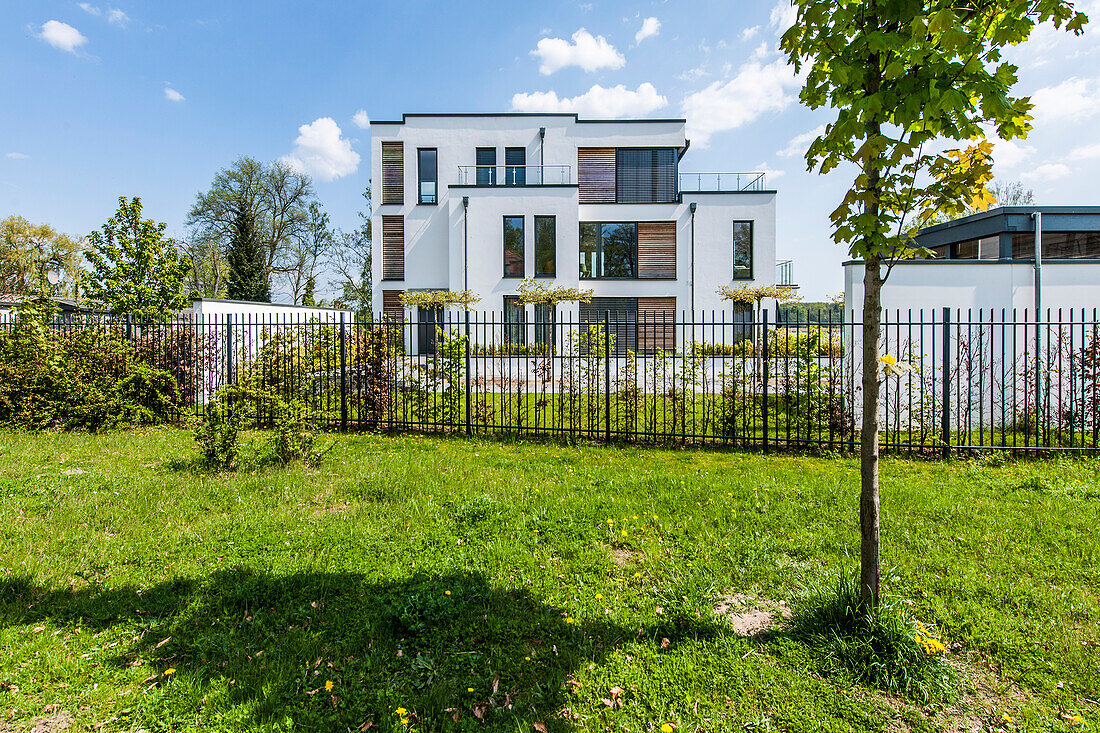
[(721, 182), (515, 175)]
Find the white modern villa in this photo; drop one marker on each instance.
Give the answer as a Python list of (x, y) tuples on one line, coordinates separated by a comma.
[(482, 201)]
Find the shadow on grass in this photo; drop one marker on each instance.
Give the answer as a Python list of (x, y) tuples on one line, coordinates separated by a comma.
[(452, 650)]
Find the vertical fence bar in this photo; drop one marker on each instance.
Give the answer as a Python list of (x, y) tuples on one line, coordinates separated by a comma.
[(343, 376), (946, 426), (607, 376), (764, 375), (468, 375)]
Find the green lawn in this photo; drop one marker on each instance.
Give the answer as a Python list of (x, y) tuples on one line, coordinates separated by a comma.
[(512, 586)]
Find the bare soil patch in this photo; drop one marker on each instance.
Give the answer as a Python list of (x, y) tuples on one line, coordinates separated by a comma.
[(750, 615), (49, 724)]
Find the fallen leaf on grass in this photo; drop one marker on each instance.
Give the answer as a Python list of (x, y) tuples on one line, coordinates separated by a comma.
[(540, 726)]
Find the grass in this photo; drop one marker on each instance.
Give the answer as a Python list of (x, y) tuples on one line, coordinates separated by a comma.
[(477, 583)]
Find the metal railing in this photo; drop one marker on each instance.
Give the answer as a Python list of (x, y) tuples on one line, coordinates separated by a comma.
[(515, 175), (721, 182), (784, 274), (963, 380)]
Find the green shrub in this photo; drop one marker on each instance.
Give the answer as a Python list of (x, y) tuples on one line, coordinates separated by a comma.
[(218, 436), (293, 438), (888, 650)]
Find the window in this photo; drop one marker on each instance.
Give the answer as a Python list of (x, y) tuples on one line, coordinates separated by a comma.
[(742, 250), (987, 248), (428, 320), (545, 246), (1057, 245), (544, 325), (515, 166), (427, 175), (515, 321), (608, 250), (645, 175), (486, 159), (513, 246)]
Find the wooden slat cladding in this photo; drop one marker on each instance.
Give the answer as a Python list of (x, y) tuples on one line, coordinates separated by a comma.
[(656, 324), (657, 249), (392, 309), (393, 172), (596, 175), (393, 248)]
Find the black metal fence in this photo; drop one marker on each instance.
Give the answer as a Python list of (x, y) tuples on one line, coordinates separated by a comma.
[(953, 380)]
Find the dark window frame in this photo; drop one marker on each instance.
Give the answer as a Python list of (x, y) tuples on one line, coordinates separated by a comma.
[(520, 177), (553, 246), (599, 250), (420, 180), (490, 177), (514, 331), (752, 248), (675, 173), (504, 245)]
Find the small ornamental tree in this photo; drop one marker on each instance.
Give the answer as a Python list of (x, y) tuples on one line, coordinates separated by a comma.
[(902, 77), (136, 270), (536, 291), (437, 299)]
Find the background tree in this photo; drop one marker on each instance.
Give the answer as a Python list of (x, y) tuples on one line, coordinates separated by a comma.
[(249, 277), (209, 270), (269, 201), (901, 75), (307, 254), (350, 260), (135, 269), (1002, 193), (28, 252)]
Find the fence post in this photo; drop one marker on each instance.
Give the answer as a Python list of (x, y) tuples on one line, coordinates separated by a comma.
[(468, 376), (764, 374), (343, 377), (607, 376), (229, 349), (946, 427)]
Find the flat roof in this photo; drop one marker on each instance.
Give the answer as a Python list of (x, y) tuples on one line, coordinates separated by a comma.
[(574, 115), (1007, 219)]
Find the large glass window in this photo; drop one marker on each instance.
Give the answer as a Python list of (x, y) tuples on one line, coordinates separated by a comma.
[(609, 250), (1057, 245), (427, 175), (645, 175), (742, 250), (515, 321), (513, 246), (545, 246), (486, 159), (515, 166)]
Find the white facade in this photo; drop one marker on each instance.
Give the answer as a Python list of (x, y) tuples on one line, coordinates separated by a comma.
[(977, 285), (215, 310), (449, 247)]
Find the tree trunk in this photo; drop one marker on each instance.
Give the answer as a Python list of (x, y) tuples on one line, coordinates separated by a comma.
[(868, 438)]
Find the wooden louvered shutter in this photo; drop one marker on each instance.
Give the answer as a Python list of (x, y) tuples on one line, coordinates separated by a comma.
[(596, 175), (393, 248), (657, 249), (393, 172), (392, 309), (656, 324)]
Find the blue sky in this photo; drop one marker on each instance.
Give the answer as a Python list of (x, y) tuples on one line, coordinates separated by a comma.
[(152, 98)]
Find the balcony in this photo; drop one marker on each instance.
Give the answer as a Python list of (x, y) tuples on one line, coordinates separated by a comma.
[(784, 274), (515, 175), (721, 182)]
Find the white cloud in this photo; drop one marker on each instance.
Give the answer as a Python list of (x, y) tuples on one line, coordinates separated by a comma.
[(768, 171), (1085, 152), (749, 33), (361, 120), (783, 16), (62, 35), (18, 156), (597, 102), (117, 17), (755, 90), (650, 27), (322, 152), (90, 9), (172, 95), (1072, 99), (798, 144), (693, 74), (1010, 153), (586, 51), (1047, 172)]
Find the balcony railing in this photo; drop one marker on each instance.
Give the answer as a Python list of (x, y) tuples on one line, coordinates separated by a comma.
[(784, 274), (721, 182), (515, 175)]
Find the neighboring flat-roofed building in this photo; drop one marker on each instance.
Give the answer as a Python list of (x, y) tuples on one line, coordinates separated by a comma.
[(480, 202)]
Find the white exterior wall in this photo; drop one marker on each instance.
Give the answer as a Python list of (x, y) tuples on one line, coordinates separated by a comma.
[(434, 235), (977, 284), (244, 312)]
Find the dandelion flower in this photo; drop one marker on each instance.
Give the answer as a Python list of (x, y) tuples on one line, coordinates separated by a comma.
[(170, 671), (469, 689), (568, 619), (446, 593), (637, 575), (599, 596), (527, 659), (328, 685), (666, 728)]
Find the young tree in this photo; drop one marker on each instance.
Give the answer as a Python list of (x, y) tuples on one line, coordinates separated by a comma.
[(136, 270), (307, 254), (29, 252), (902, 75), (249, 278)]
